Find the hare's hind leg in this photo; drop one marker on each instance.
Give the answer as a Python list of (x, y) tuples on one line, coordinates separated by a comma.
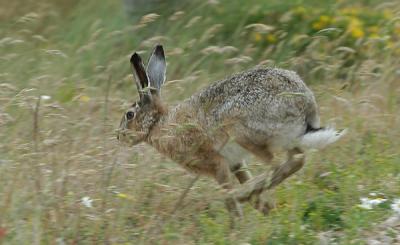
[(243, 175), (262, 182), (294, 163), (261, 151), (257, 184)]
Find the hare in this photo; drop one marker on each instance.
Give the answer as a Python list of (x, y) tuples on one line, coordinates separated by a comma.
[(261, 109)]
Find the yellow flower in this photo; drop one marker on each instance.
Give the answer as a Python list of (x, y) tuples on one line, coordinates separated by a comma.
[(271, 38), (355, 22), (318, 25), (124, 196), (355, 28), (84, 98), (257, 37), (324, 18), (323, 21), (357, 33)]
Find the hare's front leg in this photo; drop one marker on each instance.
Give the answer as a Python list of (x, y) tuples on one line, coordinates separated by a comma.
[(240, 170)]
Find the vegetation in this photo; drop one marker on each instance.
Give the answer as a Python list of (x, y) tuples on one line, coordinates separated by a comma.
[(65, 81)]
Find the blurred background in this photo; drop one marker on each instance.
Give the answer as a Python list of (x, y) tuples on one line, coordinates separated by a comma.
[(65, 81)]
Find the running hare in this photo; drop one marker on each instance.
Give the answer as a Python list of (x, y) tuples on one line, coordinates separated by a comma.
[(261, 109)]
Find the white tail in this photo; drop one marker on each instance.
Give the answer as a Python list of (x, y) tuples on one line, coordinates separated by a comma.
[(321, 138)]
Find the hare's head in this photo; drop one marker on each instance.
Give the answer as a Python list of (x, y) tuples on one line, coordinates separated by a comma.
[(139, 119)]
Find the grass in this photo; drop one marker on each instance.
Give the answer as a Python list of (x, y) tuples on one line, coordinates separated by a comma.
[(54, 153)]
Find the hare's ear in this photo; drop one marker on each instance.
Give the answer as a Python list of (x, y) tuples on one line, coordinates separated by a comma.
[(156, 68), (141, 78)]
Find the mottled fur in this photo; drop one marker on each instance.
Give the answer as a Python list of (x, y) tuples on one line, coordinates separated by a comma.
[(261, 109)]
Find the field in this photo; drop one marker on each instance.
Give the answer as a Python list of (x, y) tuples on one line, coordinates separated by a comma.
[(65, 81)]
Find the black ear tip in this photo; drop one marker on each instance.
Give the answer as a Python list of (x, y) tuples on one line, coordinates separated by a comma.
[(135, 58), (159, 50)]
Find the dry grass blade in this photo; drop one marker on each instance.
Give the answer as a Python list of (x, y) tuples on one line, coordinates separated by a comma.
[(261, 28), (179, 203)]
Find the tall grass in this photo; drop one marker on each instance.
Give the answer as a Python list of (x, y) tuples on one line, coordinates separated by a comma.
[(65, 81)]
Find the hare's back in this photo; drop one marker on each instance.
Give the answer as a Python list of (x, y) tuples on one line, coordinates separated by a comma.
[(262, 104)]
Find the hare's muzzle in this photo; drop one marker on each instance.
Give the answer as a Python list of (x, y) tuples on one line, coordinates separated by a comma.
[(121, 134)]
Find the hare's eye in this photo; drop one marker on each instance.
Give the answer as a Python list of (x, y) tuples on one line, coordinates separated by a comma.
[(130, 115)]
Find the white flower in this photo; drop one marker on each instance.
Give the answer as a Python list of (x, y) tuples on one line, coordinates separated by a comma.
[(396, 205), (373, 194), (377, 201), (367, 203), (87, 202), (45, 97)]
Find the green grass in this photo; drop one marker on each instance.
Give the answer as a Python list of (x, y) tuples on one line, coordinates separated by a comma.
[(77, 52)]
